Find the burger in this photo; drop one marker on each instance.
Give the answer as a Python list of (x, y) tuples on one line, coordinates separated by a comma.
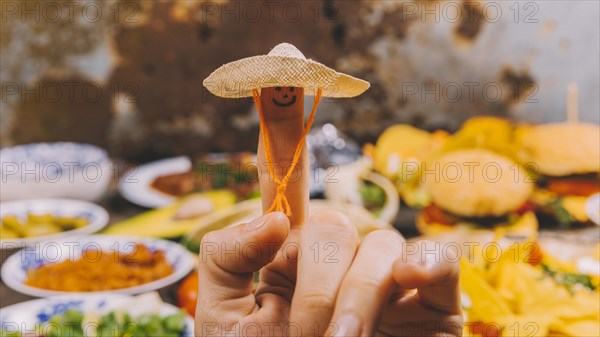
[(476, 188), (399, 154), (564, 159)]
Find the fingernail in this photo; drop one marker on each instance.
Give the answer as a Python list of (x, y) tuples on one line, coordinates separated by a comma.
[(258, 222), (347, 326)]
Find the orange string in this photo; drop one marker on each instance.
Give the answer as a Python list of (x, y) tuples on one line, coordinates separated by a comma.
[(280, 202)]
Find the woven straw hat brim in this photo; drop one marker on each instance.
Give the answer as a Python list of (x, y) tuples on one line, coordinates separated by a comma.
[(238, 78)]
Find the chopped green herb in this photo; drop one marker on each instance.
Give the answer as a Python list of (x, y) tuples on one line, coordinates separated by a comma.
[(569, 280), (564, 218)]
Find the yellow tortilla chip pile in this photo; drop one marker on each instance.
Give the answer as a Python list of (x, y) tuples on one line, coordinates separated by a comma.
[(511, 295)]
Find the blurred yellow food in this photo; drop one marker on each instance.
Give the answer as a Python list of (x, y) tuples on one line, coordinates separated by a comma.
[(176, 219), (12, 227), (108, 270), (398, 155), (41, 229), (401, 150), (39, 218), (560, 149), (492, 133), (12, 222), (472, 191), (575, 205), (397, 145), (528, 292), (525, 226), (7, 233)]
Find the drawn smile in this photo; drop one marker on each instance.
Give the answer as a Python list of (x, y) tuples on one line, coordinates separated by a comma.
[(292, 101)]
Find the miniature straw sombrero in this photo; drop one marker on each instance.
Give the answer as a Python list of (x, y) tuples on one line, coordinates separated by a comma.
[(285, 65)]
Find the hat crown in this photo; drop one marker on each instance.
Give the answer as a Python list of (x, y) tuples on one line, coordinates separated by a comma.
[(286, 50)]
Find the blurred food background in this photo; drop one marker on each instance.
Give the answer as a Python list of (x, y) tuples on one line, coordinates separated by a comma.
[(127, 75), (480, 131)]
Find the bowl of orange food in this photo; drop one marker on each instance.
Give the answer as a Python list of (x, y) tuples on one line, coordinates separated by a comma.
[(97, 264)]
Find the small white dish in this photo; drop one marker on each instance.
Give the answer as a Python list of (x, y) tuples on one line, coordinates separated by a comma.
[(54, 170), (136, 184), (27, 316), (96, 216), (14, 271)]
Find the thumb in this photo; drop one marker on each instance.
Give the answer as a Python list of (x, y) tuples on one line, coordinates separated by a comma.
[(228, 258)]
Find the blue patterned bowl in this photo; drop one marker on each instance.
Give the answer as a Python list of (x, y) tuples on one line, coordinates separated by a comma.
[(27, 317), (49, 170), (14, 271), (96, 216)]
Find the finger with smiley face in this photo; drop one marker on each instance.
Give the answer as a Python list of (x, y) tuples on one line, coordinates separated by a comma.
[(284, 120)]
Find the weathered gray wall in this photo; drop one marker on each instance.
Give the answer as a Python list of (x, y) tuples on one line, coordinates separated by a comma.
[(128, 75)]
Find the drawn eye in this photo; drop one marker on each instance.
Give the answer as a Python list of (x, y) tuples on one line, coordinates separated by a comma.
[(292, 89), (278, 88)]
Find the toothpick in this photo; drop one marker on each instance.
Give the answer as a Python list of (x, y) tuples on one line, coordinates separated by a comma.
[(572, 108)]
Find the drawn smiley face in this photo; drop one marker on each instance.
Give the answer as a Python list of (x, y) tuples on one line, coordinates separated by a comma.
[(284, 96)]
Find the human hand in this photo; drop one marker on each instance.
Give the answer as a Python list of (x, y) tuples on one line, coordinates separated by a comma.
[(315, 277), (323, 282)]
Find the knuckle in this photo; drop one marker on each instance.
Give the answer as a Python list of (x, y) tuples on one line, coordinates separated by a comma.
[(315, 300), (328, 216), (387, 242), (336, 223), (363, 283), (384, 237)]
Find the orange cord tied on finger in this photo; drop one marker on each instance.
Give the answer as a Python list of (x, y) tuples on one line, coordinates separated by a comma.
[(284, 65), (280, 202)]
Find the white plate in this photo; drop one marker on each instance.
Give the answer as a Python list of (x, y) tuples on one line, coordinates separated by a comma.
[(27, 315), (97, 218), (135, 185), (592, 208), (14, 270), (54, 170)]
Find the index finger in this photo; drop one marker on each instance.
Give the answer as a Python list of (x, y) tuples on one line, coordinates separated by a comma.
[(282, 129)]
